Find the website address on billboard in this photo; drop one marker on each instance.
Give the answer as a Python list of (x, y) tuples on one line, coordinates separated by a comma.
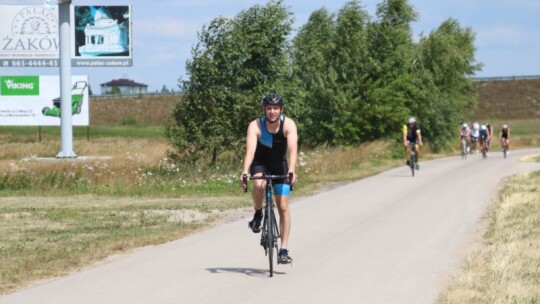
[(82, 63)]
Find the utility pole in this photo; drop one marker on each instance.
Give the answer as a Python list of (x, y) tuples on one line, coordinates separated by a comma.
[(66, 125)]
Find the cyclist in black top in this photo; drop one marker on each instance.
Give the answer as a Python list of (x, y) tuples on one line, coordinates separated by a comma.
[(412, 134), (268, 140), (505, 136)]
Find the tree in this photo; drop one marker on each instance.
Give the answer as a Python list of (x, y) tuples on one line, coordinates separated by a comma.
[(350, 62), (330, 59), (391, 55), (313, 45), (447, 60), (235, 62)]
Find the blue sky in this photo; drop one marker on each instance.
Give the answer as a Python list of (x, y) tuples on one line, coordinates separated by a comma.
[(507, 34)]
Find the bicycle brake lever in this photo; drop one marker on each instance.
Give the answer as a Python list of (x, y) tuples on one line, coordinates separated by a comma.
[(245, 181), (291, 177)]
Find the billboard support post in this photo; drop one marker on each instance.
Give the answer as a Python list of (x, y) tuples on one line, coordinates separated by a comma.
[(65, 80)]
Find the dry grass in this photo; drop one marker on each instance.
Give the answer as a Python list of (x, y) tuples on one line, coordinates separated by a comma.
[(147, 110), (109, 166), (148, 150), (328, 164), (510, 99), (42, 238), (507, 268)]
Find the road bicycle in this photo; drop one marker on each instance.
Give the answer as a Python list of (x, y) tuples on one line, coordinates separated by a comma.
[(412, 158), (464, 146), (270, 231)]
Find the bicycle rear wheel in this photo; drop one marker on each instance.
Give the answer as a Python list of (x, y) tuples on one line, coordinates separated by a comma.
[(270, 238)]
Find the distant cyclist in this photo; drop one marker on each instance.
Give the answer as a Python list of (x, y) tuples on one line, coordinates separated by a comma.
[(412, 134), (475, 136), (268, 139), (484, 136), (505, 137), (465, 132)]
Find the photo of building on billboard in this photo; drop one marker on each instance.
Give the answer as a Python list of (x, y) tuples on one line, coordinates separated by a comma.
[(101, 32)]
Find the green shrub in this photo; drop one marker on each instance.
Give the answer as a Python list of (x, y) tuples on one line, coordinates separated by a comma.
[(129, 121)]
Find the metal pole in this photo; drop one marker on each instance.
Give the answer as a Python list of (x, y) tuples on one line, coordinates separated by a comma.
[(65, 81)]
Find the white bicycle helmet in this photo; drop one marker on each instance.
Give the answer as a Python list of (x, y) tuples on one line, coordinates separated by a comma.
[(465, 125), (505, 126), (412, 120)]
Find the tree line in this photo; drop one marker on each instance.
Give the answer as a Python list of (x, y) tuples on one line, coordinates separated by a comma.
[(347, 77)]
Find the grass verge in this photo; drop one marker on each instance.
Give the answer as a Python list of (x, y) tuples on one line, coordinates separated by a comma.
[(507, 267), (42, 238)]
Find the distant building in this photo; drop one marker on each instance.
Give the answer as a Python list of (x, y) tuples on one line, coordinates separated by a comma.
[(123, 87)]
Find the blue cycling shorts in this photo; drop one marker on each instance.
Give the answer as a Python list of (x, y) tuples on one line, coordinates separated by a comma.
[(282, 189)]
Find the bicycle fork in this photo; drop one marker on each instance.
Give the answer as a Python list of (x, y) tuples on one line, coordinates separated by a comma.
[(268, 216)]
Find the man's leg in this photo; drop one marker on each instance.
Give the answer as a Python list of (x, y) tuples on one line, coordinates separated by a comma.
[(406, 145), (257, 194), (282, 202), (284, 218)]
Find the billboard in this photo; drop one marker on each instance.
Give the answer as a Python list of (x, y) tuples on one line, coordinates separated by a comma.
[(29, 36), (35, 101), (100, 36)]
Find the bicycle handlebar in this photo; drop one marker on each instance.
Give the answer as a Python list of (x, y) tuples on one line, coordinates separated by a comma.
[(268, 177)]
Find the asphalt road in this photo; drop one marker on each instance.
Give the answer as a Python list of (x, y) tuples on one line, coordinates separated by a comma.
[(390, 238)]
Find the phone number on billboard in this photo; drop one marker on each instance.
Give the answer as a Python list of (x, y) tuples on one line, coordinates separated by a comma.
[(30, 63)]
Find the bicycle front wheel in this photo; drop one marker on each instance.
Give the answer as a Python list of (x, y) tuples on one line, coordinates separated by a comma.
[(270, 239)]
